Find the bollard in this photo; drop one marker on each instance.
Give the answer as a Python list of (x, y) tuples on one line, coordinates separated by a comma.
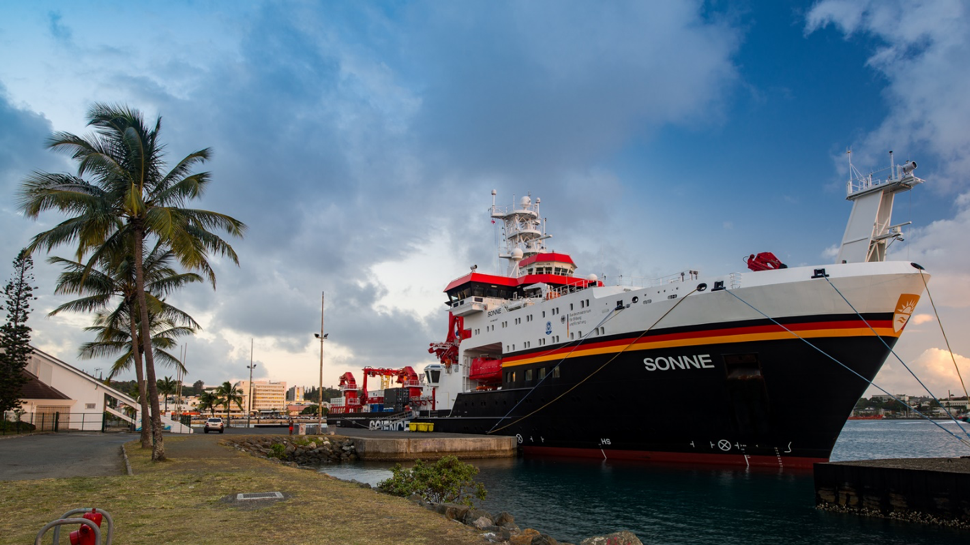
[(85, 523), (88, 522)]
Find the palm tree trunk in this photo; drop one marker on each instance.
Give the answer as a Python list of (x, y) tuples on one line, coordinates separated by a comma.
[(158, 445), (146, 441)]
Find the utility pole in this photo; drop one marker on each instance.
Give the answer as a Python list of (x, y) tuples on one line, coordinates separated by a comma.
[(251, 365), (322, 336)]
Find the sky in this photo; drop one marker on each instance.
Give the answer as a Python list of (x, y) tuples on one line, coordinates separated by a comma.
[(360, 141)]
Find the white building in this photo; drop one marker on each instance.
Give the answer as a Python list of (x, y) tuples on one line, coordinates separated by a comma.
[(267, 395), (295, 394), (75, 400)]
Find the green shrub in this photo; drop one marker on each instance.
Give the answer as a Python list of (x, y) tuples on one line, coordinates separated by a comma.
[(446, 481), (16, 427), (279, 449)]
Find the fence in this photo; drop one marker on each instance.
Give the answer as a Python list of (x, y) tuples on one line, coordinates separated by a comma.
[(62, 422)]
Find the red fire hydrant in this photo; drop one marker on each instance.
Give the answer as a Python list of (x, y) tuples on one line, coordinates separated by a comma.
[(85, 535), (91, 531)]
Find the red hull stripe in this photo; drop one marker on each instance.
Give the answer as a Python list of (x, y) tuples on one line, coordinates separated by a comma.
[(850, 328), (652, 457)]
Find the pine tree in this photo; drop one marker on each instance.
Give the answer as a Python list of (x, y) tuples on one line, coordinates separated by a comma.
[(14, 334)]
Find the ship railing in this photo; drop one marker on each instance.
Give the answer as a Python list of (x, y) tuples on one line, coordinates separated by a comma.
[(858, 182), (639, 281), (501, 211)]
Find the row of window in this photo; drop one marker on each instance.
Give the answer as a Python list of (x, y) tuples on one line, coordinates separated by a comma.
[(542, 342), (561, 271), (529, 374)]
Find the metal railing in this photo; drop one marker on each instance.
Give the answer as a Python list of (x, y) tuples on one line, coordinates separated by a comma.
[(62, 422)]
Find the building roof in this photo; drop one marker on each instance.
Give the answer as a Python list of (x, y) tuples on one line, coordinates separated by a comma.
[(35, 389), (117, 394)]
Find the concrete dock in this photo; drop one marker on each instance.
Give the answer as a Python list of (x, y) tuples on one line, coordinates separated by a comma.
[(930, 490), (376, 445)]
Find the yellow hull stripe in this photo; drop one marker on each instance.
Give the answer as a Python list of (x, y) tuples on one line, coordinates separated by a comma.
[(701, 341)]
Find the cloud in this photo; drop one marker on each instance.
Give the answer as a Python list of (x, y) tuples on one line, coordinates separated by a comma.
[(921, 50), (60, 32), (540, 87), (918, 319), (935, 369), (354, 140)]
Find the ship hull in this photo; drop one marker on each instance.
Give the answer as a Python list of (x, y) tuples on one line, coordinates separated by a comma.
[(775, 402)]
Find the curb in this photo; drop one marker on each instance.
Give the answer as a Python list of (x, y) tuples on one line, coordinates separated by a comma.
[(124, 453)]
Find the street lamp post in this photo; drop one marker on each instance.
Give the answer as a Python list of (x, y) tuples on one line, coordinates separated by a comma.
[(322, 336), (251, 365)]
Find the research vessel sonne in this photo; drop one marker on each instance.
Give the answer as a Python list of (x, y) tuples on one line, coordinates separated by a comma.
[(755, 368)]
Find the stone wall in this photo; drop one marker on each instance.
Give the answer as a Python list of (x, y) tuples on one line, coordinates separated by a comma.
[(923, 490), (299, 450)]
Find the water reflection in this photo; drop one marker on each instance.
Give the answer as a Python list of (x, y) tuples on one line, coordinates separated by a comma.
[(572, 499)]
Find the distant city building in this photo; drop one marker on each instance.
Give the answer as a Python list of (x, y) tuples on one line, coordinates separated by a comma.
[(295, 394), (883, 398), (267, 395)]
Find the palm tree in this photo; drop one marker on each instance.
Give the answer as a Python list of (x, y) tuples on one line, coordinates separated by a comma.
[(227, 394), (114, 278), (134, 393), (208, 401), (167, 387), (129, 199)]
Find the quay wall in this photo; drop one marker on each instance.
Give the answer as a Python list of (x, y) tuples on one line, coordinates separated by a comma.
[(430, 447), (930, 490)]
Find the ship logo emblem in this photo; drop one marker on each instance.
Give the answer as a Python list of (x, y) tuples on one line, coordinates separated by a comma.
[(548, 328), (904, 309)]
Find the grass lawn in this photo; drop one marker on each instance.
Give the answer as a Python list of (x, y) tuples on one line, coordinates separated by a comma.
[(182, 500)]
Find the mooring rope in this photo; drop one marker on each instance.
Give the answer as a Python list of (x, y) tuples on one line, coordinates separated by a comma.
[(847, 368), (579, 342), (893, 352), (945, 339), (597, 370)]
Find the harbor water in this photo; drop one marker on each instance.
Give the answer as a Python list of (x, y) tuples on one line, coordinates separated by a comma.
[(572, 499)]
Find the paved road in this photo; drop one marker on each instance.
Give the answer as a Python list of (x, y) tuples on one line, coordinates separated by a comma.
[(90, 454), (61, 455)]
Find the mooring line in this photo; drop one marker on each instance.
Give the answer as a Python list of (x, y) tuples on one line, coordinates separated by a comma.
[(579, 342), (600, 368), (893, 352), (847, 368), (945, 339)]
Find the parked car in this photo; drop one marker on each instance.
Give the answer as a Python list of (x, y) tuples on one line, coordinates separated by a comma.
[(214, 424)]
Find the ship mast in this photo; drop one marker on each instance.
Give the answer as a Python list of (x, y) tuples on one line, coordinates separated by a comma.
[(870, 229), (524, 231)]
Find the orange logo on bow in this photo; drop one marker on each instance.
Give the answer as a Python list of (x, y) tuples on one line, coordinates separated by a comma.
[(904, 309)]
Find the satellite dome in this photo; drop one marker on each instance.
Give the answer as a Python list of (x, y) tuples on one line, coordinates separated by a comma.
[(592, 278), (526, 201), (517, 254)]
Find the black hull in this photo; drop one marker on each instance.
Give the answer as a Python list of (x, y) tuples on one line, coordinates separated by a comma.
[(368, 420), (772, 402)]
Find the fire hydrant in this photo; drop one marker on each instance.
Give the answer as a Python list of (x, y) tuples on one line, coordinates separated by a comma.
[(85, 535), (90, 531)]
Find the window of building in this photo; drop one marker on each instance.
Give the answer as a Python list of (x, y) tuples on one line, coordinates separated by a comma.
[(528, 375)]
